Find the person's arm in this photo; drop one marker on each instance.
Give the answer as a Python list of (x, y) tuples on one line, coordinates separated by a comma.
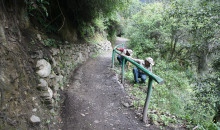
[(119, 49), (136, 60)]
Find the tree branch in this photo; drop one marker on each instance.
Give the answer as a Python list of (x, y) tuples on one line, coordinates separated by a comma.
[(62, 14)]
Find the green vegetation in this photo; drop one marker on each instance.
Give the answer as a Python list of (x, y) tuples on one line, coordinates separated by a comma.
[(89, 18), (182, 38), (51, 42), (38, 12)]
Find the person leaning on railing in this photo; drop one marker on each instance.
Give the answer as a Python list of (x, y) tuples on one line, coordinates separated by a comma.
[(127, 52), (138, 73)]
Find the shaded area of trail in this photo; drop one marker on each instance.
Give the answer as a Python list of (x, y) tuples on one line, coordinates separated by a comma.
[(93, 99)]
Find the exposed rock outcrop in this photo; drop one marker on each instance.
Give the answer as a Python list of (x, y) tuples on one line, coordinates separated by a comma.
[(44, 68)]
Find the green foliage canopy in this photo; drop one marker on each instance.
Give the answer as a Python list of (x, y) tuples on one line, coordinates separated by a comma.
[(181, 36)]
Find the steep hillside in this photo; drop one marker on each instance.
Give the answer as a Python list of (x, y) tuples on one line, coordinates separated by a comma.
[(35, 67)]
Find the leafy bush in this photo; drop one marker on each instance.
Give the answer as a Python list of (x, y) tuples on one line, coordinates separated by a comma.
[(113, 26), (51, 42), (180, 36), (87, 30), (99, 23), (205, 101), (36, 7)]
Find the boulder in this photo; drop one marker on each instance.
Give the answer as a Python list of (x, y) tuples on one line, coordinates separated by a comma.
[(47, 94), (44, 68), (43, 85), (47, 98)]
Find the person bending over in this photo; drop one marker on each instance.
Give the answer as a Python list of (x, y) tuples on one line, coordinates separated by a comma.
[(138, 73), (126, 52)]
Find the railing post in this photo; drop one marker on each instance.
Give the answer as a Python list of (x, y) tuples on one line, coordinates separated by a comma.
[(123, 68), (149, 90), (113, 58)]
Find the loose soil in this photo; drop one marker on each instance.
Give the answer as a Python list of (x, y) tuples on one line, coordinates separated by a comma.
[(94, 99)]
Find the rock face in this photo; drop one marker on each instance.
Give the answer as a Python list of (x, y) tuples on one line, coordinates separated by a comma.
[(44, 68), (64, 59), (21, 51)]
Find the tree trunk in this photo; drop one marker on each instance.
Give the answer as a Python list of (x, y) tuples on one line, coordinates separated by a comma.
[(203, 60)]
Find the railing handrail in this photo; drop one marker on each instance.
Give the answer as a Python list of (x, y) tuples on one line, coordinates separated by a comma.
[(150, 82), (150, 74)]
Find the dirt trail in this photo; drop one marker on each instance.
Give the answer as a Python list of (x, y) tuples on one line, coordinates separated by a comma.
[(93, 100)]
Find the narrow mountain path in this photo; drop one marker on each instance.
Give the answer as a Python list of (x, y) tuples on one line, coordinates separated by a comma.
[(93, 99)]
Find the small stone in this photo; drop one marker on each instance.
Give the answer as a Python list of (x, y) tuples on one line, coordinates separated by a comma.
[(154, 111), (52, 75), (52, 111), (147, 125), (34, 110), (62, 88), (50, 92), (54, 62), (43, 85), (156, 123), (40, 54), (37, 54), (125, 104), (39, 37), (35, 119), (55, 51), (96, 121), (59, 78), (83, 114), (195, 127)]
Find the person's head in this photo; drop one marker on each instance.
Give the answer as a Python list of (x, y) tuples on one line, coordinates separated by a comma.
[(129, 52), (149, 61)]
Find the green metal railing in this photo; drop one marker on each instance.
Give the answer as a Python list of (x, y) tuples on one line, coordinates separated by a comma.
[(150, 75)]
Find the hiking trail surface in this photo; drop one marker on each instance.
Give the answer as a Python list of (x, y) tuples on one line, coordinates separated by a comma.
[(94, 99)]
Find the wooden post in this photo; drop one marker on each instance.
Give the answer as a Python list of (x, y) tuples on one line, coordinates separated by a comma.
[(149, 90), (113, 58), (123, 68)]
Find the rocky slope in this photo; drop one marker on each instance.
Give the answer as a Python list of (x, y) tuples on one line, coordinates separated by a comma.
[(34, 70)]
